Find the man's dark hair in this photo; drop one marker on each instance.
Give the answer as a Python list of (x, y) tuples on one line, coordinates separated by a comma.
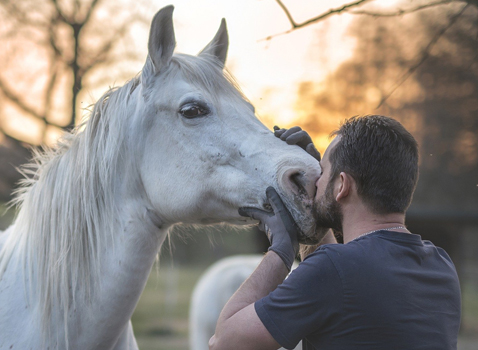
[(382, 157)]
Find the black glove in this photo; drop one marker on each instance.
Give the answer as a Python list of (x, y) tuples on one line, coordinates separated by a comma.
[(279, 226), (299, 137)]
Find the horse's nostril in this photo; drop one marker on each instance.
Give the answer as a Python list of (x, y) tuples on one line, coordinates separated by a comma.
[(298, 182)]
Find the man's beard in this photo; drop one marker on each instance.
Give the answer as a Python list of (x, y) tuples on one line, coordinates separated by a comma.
[(327, 212)]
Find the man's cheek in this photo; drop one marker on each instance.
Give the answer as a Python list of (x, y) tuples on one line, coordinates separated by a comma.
[(320, 189)]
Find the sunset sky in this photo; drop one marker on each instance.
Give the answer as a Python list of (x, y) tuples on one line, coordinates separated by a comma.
[(268, 71)]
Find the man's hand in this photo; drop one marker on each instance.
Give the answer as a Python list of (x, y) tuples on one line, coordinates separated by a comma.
[(299, 137), (279, 226)]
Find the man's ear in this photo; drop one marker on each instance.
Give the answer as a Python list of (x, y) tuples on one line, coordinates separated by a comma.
[(345, 186)]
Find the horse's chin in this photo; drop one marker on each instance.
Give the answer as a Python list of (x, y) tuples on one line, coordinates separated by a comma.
[(301, 211), (309, 233), (313, 236)]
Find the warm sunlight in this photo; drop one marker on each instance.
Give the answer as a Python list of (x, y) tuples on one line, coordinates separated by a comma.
[(282, 72), (269, 71)]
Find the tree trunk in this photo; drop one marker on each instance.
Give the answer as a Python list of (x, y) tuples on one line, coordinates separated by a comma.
[(77, 76)]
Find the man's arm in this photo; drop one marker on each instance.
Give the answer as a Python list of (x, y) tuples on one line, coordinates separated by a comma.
[(238, 326)]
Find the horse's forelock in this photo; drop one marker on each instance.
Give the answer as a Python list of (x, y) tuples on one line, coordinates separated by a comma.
[(207, 73)]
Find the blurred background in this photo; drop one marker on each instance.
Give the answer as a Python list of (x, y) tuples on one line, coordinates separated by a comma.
[(300, 62)]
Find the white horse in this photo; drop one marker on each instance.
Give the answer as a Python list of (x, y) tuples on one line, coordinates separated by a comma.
[(211, 293), (177, 144)]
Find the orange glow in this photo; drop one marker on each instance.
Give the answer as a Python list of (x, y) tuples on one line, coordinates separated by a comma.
[(271, 72), (268, 71)]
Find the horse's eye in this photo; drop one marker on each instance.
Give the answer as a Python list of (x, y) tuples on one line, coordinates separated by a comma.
[(193, 110)]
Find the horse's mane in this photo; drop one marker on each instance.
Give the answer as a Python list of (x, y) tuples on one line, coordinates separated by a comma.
[(66, 206), (66, 201)]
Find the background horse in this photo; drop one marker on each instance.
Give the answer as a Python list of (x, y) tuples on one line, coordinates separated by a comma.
[(211, 293), (177, 144)]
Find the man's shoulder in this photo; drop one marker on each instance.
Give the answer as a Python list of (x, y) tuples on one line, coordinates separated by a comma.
[(330, 257)]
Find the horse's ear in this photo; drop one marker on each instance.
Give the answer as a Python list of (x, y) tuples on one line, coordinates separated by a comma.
[(161, 38), (219, 45)]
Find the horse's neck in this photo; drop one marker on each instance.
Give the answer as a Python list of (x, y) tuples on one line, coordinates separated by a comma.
[(125, 267), (125, 257)]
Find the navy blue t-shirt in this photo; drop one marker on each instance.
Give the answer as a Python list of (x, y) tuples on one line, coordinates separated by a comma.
[(387, 290)]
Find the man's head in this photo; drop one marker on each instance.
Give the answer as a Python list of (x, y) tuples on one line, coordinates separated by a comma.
[(382, 159)]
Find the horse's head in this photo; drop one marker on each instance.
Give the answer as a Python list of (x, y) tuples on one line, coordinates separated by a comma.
[(205, 153)]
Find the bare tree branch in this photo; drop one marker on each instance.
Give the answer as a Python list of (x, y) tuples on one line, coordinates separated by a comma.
[(52, 39), (51, 86), (128, 56), (324, 15), (61, 15), (287, 12), (90, 11), (49, 94), (401, 12), (101, 55), (66, 52), (20, 15), (343, 8), (77, 6), (13, 97), (425, 54)]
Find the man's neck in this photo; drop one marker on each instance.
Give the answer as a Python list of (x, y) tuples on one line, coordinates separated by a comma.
[(361, 222)]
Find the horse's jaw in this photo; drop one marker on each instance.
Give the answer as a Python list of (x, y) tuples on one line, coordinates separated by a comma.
[(310, 233), (230, 220)]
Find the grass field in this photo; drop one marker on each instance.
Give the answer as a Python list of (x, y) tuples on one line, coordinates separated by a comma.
[(470, 310), (161, 319)]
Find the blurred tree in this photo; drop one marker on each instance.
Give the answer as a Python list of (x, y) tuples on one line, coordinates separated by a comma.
[(438, 103), (372, 8), (367, 7), (52, 50)]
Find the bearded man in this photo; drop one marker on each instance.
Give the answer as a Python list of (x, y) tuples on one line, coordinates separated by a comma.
[(384, 288)]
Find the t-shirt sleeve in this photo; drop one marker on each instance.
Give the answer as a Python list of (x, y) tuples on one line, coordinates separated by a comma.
[(306, 302)]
